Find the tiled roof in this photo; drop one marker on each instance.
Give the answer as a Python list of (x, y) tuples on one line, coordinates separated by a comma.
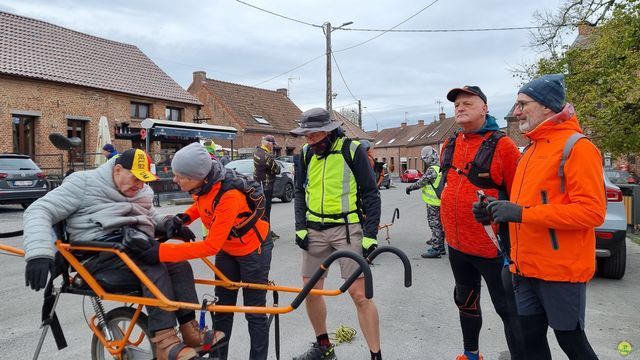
[(40, 50), (518, 138), (352, 130), (398, 136), (435, 132), (246, 103)]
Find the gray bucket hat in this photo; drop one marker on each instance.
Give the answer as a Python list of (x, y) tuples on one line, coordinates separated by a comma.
[(315, 120)]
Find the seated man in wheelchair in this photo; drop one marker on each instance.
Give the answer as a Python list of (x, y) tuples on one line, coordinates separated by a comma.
[(97, 204)]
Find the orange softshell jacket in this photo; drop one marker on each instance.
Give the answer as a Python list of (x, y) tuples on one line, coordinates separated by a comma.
[(219, 222), (573, 214), (462, 231)]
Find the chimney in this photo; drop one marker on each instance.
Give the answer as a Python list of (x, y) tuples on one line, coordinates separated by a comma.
[(442, 116), (199, 76), (420, 122), (283, 91), (403, 124), (585, 28)]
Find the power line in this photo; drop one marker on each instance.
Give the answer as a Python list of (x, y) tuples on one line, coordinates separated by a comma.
[(386, 31), (451, 30), (278, 15), (342, 77), (290, 70)]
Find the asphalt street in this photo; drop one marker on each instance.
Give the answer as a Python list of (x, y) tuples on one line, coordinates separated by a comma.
[(420, 322)]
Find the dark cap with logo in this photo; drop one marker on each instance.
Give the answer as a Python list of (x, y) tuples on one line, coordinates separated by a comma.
[(469, 89)]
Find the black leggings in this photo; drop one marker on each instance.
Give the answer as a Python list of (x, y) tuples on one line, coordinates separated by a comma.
[(467, 271), (574, 343)]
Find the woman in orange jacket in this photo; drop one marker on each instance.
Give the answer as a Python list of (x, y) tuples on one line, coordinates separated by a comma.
[(552, 221), (241, 255)]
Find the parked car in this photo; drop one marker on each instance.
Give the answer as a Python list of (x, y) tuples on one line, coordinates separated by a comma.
[(288, 162), (611, 248), (410, 175), (620, 176), (283, 187), (21, 180)]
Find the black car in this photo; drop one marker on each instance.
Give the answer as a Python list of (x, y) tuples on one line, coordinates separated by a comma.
[(283, 187), (21, 180)]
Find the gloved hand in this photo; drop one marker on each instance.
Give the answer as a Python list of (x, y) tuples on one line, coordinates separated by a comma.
[(302, 239), (141, 247), (37, 272), (505, 211), (174, 227), (368, 245), (408, 190), (480, 212)]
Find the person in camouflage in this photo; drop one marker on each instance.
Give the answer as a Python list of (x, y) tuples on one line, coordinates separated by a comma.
[(431, 185)]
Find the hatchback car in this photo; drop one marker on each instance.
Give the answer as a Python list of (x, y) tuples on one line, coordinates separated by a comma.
[(21, 180), (410, 175), (283, 187), (611, 248)]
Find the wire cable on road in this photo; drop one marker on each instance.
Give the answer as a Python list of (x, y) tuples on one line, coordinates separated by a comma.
[(278, 15)]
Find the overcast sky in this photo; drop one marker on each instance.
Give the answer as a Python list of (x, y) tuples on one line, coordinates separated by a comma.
[(396, 75)]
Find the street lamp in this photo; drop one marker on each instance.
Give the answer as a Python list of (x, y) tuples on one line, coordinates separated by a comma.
[(328, 29)]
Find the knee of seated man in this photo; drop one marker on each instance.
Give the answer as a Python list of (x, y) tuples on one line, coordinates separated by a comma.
[(467, 298)]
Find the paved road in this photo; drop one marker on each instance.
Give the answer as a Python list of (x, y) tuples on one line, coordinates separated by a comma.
[(420, 322)]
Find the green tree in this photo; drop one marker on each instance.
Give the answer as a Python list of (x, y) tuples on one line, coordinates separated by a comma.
[(603, 76)]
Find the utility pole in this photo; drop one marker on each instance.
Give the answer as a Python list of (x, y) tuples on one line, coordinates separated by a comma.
[(327, 33), (360, 114)]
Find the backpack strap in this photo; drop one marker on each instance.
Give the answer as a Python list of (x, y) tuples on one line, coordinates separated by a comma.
[(568, 145)]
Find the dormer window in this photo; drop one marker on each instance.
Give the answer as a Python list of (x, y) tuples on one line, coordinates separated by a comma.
[(260, 119)]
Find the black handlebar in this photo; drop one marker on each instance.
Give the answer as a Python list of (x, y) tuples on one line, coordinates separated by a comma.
[(403, 257)]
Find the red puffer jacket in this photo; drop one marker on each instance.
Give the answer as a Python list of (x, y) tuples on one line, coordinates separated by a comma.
[(460, 228)]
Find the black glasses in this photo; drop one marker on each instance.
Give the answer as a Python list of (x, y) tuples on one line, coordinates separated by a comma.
[(520, 104)]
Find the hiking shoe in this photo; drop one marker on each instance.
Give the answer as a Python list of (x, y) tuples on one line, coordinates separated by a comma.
[(318, 352), (274, 236), (443, 251), (431, 254), (465, 357)]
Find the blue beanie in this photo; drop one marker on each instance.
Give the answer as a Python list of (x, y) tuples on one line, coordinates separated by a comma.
[(108, 148), (548, 90)]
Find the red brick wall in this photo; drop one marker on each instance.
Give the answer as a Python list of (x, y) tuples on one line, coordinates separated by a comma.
[(55, 101)]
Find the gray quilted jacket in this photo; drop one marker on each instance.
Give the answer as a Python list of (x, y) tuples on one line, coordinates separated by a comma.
[(92, 207)]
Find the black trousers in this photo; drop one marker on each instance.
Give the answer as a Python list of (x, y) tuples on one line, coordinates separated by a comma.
[(253, 268), (268, 195), (467, 271)]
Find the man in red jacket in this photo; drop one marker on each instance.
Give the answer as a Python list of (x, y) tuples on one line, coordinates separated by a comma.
[(472, 254), (552, 220)]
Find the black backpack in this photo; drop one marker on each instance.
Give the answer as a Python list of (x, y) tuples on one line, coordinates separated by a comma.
[(477, 170), (254, 194)]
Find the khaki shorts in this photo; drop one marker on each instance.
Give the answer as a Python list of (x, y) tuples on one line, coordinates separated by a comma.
[(323, 243)]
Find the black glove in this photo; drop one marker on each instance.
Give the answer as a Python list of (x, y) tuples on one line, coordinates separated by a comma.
[(505, 211), (408, 190), (175, 228), (37, 272), (302, 239), (141, 247), (480, 212)]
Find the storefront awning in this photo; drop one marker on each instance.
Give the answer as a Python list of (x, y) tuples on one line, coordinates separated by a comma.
[(184, 129)]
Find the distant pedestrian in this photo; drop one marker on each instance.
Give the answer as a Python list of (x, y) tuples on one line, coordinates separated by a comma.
[(265, 169), (431, 184), (109, 151)]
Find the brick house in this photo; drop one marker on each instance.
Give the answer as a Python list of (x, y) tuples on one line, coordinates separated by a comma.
[(434, 135), (54, 79), (390, 146), (252, 111), (513, 131), (352, 130)]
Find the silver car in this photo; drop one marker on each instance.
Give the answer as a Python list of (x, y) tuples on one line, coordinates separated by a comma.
[(611, 248), (21, 180)]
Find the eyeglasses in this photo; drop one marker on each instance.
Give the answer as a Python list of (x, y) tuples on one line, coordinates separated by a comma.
[(520, 104)]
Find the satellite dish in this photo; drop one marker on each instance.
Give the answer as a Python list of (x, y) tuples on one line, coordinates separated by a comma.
[(60, 141)]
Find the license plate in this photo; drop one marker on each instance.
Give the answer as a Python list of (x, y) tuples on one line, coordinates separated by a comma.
[(23, 183)]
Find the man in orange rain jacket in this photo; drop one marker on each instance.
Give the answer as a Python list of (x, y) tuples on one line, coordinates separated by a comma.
[(552, 220), (242, 255), (472, 254)]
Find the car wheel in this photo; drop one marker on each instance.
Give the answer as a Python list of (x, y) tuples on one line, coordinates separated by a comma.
[(25, 205), (613, 267), (288, 193)]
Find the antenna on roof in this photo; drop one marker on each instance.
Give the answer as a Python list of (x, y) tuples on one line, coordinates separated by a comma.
[(440, 107), (289, 81)]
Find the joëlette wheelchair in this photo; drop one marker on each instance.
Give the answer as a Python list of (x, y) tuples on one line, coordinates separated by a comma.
[(121, 333)]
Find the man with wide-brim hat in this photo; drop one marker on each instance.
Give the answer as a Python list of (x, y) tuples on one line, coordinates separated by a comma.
[(328, 219)]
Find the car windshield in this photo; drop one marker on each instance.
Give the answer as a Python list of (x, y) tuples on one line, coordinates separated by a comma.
[(618, 176), (17, 164), (241, 166)]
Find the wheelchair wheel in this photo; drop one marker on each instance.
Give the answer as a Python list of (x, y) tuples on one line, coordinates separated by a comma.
[(139, 346)]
